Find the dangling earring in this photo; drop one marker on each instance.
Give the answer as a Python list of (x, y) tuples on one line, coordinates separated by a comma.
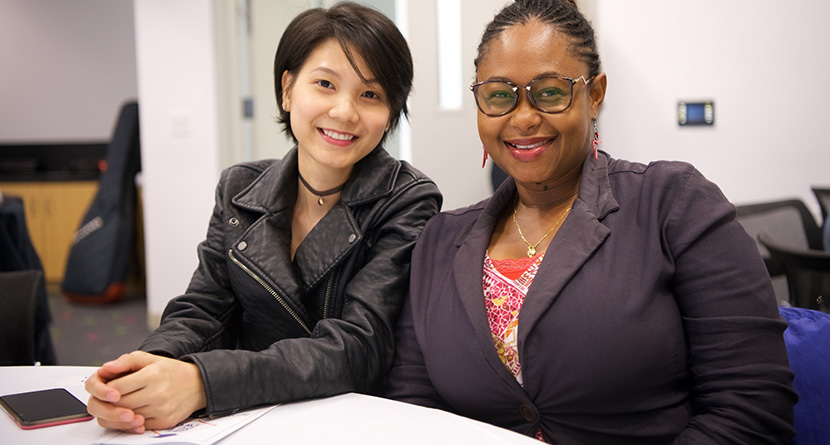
[(484, 161), (596, 140)]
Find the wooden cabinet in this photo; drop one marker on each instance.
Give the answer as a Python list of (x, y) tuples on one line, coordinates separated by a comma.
[(53, 213)]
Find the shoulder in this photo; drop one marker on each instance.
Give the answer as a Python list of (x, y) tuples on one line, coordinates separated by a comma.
[(247, 172), (454, 223), (666, 182), (659, 172)]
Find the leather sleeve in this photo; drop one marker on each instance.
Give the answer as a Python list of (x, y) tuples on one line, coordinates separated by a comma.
[(350, 353), (201, 318)]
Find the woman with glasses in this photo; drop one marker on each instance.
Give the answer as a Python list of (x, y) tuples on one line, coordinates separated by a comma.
[(306, 261), (590, 300)]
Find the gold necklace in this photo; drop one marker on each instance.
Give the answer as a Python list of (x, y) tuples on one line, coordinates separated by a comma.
[(531, 248)]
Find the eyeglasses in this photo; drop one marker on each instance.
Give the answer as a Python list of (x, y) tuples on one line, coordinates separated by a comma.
[(548, 94)]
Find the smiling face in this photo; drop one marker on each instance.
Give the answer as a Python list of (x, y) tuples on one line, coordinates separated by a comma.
[(336, 117), (538, 149)]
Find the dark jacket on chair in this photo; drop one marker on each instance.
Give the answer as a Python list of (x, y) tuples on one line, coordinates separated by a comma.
[(264, 329)]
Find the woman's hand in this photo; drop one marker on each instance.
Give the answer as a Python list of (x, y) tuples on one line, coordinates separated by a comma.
[(140, 391)]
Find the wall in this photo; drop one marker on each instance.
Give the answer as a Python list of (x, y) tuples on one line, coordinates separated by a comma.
[(178, 60), (66, 68), (445, 143), (762, 63)]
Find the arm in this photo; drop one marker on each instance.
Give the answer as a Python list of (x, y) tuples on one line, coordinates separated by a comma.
[(350, 353), (742, 383), (408, 380), (121, 391)]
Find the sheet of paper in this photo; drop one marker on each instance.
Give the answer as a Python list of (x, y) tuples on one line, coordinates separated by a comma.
[(200, 431)]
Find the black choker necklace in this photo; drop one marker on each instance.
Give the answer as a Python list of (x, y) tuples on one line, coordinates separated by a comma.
[(320, 194)]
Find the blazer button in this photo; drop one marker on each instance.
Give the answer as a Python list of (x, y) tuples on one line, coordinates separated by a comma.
[(243, 245), (528, 413), (352, 237), (233, 222)]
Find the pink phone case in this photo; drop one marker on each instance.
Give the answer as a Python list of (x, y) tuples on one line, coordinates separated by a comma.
[(57, 422)]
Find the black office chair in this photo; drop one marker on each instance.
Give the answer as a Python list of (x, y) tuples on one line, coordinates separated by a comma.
[(823, 197), (807, 271), (788, 222), (18, 298)]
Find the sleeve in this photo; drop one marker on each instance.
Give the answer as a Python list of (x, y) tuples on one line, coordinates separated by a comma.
[(408, 380), (202, 318), (350, 353), (741, 380)]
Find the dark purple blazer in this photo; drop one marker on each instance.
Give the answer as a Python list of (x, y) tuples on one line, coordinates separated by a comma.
[(651, 319)]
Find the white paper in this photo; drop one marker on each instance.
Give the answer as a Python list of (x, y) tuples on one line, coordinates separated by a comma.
[(198, 431)]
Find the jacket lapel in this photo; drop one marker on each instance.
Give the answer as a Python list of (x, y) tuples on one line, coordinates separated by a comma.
[(274, 192), (580, 236), (468, 271), (338, 232)]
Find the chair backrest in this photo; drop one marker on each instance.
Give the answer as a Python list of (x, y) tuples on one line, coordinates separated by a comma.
[(823, 197), (807, 271), (808, 346), (18, 296), (788, 222)]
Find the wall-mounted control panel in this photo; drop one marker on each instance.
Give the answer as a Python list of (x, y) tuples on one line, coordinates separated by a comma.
[(696, 113)]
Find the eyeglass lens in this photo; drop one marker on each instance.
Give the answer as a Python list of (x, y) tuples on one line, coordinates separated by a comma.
[(548, 94)]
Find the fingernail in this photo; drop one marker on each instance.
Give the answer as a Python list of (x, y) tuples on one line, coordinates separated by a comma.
[(126, 416), (112, 396), (113, 363)]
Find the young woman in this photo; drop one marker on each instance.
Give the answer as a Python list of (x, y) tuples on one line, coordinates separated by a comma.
[(306, 260), (590, 300)]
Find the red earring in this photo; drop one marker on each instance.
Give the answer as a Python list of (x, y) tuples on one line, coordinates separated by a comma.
[(484, 161), (595, 143)]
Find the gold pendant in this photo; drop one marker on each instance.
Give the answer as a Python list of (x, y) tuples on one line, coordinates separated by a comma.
[(320, 200), (531, 251)]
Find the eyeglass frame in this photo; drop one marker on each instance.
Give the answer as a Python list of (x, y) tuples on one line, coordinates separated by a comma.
[(474, 88)]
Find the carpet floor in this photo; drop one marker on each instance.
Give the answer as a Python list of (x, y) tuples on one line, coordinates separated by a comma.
[(87, 335)]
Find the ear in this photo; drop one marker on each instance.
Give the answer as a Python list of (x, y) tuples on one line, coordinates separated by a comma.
[(597, 92), (287, 82)]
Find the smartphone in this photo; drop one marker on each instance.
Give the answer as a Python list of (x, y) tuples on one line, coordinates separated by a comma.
[(48, 407)]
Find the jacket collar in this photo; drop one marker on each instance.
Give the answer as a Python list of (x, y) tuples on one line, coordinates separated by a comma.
[(595, 196), (579, 237), (275, 190)]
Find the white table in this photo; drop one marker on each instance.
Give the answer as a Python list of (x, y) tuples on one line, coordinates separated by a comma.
[(344, 419)]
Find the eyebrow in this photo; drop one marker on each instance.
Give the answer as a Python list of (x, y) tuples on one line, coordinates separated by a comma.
[(336, 74), (545, 74)]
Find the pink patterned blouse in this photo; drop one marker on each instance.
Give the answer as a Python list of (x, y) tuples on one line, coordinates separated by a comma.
[(505, 285)]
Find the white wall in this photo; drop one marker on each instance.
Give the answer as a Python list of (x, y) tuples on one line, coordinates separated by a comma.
[(762, 62), (181, 136), (445, 143), (65, 68)]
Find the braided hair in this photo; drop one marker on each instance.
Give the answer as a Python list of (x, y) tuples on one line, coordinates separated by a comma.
[(563, 15)]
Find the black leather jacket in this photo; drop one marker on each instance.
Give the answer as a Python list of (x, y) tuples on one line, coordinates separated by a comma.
[(263, 329)]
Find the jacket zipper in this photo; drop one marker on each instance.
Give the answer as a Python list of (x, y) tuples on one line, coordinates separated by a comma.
[(328, 297), (271, 291)]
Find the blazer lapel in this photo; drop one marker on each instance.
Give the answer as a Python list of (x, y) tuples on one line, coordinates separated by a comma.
[(468, 272), (580, 236)]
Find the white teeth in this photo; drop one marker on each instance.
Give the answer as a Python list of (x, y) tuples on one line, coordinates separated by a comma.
[(527, 147), (338, 136)]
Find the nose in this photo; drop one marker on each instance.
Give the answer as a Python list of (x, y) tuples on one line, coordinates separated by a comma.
[(525, 116), (344, 110)]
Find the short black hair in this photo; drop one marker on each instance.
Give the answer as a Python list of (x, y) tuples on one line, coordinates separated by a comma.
[(358, 28), (563, 15)]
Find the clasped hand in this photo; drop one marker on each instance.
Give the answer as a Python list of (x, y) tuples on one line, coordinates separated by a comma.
[(140, 391)]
